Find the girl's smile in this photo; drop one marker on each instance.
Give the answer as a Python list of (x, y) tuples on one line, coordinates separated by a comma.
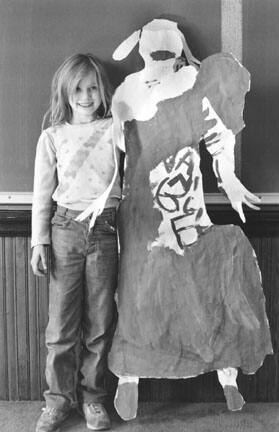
[(85, 100)]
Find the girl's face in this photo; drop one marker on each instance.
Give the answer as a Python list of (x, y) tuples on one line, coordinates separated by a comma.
[(85, 99)]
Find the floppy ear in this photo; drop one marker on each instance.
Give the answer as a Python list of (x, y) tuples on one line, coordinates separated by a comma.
[(126, 46), (189, 56)]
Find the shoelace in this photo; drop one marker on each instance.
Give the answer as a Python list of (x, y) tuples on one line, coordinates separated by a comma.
[(52, 412), (95, 408)]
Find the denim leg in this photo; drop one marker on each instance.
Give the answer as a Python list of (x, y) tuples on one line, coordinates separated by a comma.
[(99, 307), (65, 301)]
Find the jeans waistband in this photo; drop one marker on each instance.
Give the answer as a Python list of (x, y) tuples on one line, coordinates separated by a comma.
[(64, 211)]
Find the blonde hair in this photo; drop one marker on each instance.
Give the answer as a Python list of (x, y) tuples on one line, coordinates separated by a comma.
[(66, 79)]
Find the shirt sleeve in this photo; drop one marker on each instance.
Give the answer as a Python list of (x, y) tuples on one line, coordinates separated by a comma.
[(220, 142), (45, 182), (118, 128)]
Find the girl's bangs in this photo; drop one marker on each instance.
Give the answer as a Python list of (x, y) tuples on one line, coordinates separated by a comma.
[(73, 81)]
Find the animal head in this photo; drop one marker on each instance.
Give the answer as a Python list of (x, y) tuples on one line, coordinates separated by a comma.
[(160, 39)]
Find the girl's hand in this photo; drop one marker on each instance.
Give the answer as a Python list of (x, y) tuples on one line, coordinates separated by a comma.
[(38, 260)]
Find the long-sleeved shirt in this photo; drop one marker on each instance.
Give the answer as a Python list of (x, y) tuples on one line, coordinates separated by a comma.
[(74, 165)]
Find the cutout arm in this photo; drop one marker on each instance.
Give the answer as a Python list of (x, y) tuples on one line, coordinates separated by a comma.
[(220, 142)]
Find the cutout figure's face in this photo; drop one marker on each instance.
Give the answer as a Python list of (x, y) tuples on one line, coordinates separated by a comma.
[(85, 100), (160, 45)]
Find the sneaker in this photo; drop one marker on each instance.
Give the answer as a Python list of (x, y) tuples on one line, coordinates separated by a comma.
[(96, 416), (51, 419), (234, 399)]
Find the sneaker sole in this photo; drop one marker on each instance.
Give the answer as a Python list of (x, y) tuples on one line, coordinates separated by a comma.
[(98, 428)]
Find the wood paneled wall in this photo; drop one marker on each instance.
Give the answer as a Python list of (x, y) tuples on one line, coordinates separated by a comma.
[(24, 305), (23, 317)]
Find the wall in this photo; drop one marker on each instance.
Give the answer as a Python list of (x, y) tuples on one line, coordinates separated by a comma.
[(260, 150), (36, 36)]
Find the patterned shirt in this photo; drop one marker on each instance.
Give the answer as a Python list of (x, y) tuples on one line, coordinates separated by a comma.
[(74, 165)]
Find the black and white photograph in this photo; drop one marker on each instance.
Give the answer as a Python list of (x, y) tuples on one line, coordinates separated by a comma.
[(139, 215)]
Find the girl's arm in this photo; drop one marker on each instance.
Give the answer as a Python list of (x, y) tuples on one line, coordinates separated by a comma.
[(45, 182)]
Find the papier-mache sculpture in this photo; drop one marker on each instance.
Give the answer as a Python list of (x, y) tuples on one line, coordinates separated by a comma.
[(189, 298)]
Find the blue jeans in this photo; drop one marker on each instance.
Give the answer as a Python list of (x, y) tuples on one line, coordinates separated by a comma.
[(82, 313)]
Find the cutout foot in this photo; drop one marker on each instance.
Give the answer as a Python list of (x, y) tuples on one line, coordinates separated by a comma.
[(126, 400), (234, 399)]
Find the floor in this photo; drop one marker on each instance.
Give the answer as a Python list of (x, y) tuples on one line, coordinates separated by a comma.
[(156, 417)]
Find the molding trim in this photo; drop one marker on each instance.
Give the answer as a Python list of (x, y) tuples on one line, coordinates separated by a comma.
[(267, 198), (23, 200), (16, 197), (15, 220)]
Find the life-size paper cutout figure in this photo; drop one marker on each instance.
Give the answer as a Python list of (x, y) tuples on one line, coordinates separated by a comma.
[(190, 298)]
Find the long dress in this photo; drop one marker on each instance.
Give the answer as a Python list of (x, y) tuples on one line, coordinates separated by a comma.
[(189, 297)]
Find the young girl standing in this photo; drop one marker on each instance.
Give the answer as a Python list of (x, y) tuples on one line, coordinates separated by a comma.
[(76, 166)]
